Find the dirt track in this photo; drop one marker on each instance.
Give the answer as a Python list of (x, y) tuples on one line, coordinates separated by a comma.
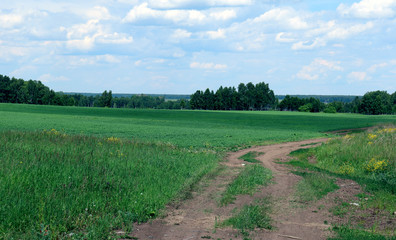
[(196, 218)]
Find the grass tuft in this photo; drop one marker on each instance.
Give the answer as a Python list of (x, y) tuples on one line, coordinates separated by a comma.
[(314, 186), (247, 182), (251, 216), (346, 233), (251, 157)]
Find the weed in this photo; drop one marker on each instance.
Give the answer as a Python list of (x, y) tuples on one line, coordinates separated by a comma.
[(314, 186), (251, 216), (346, 233), (251, 157), (251, 177)]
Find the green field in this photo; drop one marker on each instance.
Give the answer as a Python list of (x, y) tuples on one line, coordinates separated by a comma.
[(196, 129), (79, 173)]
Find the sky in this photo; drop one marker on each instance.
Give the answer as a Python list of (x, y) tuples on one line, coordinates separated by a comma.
[(328, 47)]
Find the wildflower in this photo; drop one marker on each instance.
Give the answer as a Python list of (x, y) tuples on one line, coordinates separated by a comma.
[(375, 165), (369, 143), (113, 140), (372, 136), (348, 137), (387, 130), (346, 169)]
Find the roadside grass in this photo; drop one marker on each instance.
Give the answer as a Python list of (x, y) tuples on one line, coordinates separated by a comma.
[(346, 233), (314, 186), (55, 186), (251, 157), (247, 182), (251, 216), (369, 158)]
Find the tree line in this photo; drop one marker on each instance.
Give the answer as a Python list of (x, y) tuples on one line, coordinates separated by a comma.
[(372, 103), (246, 97), (14, 90)]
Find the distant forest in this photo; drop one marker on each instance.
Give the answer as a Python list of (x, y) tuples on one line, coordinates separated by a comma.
[(255, 97), (14, 90)]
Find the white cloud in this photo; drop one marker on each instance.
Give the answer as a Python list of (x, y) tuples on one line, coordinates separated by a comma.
[(98, 13), (285, 17), (369, 9), (178, 16), (84, 36), (306, 45), (330, 31), (358, 77), (18, 17), (180, 34), (220, 33), (202, 3), (318, 68), (373, 68), (10, 20), (46, 78), (208, 66), (84, 44), (107, 58), (346, 32), (223, 15), (284, 37)]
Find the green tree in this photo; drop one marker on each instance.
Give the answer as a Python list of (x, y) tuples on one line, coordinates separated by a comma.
[(375, 103), (106, 99)]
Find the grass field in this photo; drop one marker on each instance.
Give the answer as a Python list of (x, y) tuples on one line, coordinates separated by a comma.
[(56, 184), (196, 129), (80, 173), (369, 158)]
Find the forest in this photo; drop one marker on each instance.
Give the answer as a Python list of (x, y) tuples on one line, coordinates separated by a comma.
[(254, 97)]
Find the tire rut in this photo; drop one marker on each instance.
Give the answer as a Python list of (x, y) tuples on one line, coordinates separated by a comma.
[(196, 218)]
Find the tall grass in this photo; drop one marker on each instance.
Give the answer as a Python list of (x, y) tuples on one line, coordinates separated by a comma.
[(370, 155), (55, 185)]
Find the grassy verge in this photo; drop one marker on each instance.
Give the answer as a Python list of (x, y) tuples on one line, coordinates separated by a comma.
[(314, 186), (251, 216), (251, 157), (346, 233), (54, 185), (247, 182), (368, 158)]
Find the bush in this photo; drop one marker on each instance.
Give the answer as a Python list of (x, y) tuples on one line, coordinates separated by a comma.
[(330, 109), (306, 108)]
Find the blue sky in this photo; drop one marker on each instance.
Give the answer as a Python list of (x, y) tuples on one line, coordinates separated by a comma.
[(180, 46)]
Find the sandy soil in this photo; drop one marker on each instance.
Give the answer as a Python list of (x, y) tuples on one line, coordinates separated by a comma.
[(196, 218)]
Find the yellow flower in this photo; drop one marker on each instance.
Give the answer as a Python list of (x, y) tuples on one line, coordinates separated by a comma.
[(387, 130), (113, 140), (346, 169), (376, 165), (348, 137), (369, 143), (372, 136)]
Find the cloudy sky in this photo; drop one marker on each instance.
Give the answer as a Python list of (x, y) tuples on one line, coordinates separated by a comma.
[(178, 46)]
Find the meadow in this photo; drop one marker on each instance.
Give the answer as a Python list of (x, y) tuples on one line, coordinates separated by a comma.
[(369, 158), (187, 129), (79, 173)]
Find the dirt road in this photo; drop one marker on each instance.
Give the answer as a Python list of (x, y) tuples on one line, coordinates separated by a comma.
[(196, 218)]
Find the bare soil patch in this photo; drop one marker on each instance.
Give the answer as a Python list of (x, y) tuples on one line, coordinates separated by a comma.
[(198, 217)]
